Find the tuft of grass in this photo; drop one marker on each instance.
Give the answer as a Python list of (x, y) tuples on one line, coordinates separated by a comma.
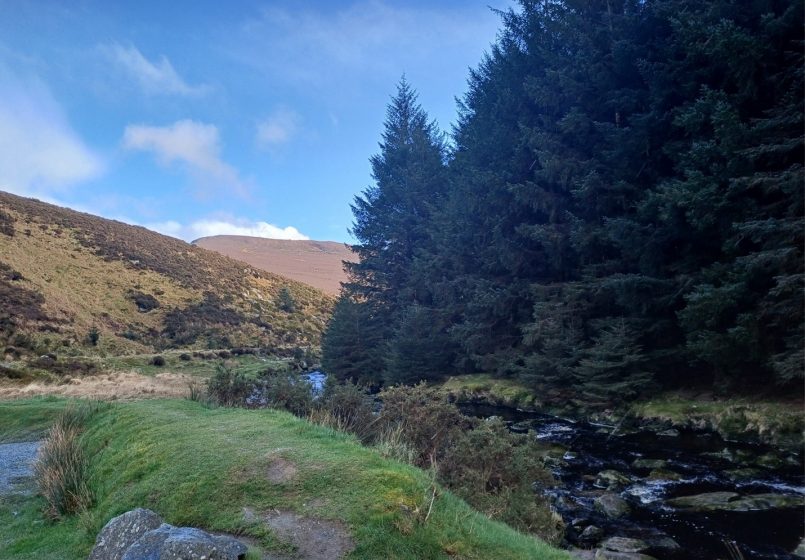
[(493, 390), (61, 469)]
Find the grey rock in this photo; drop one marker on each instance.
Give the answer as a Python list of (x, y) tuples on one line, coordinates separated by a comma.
[(123, 531), (612, 480), (624, 544), (184, 543), (664, 474), (732, 501), (611, 505), (591, 534), (673, 432), (663, 543), (800, 550), (649, 464), (737, 475)]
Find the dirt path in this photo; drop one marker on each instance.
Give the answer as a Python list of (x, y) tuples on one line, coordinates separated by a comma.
[(113, 386), (16, 467)]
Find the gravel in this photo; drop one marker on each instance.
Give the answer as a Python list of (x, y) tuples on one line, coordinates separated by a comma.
[(16, 465)]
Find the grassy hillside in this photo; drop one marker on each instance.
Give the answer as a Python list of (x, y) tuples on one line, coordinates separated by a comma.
[(317, 263), (66, 276), (233, 470)]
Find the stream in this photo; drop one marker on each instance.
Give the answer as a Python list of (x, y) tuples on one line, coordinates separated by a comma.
[(746, 500)]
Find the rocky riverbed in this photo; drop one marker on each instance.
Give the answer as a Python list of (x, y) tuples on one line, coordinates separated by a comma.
[(670, 495)]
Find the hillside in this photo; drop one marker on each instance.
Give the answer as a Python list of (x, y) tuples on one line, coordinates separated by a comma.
[(76, 284), (317, 263)]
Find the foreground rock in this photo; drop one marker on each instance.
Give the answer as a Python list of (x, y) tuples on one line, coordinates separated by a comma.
[(612, 505), (140, 534), (732, 501)]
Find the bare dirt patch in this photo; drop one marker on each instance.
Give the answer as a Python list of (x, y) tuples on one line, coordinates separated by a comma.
[(281, 471), (314, 539), (113, 386)]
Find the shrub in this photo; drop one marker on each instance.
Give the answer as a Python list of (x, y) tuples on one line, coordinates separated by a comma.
[(428, 423), (93, 336), (62, 466), (185, 357), (285, 301), (158, 361), (282, 390), (349, 407), (228, 387), (144, 302), (494, 470)]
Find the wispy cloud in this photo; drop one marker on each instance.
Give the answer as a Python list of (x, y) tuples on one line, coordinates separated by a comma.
[(192, 144), (369, 38), (155, 78), (40, 153), (210, 227), (278, 128)]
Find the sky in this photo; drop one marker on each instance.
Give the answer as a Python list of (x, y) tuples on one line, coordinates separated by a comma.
[(207, 117)]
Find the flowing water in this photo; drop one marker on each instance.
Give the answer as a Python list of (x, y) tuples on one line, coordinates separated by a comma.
[(684, 464)]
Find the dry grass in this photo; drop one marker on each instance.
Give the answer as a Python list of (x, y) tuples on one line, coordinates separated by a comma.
[(61, 468), (124, 386)]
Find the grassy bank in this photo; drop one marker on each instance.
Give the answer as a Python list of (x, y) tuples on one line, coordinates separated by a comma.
[(206, 467), (482, 387), (776, 422)]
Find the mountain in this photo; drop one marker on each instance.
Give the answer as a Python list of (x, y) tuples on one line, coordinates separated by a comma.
[(76, 284), (317, 263)]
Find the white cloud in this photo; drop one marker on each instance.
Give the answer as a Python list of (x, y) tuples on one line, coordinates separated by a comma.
[(194, 144), (40, 153), (278, 128), (211, 227), (154, 78)]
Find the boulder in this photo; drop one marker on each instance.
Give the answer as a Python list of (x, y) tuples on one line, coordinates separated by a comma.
[(591, 534), (800, 550), (624, 544), (737, 475), (664, 474), (612, 480), (649, 464), (184, 543), (141, 535), (732, 501), (611, 505), (121, 532), (673, 432)]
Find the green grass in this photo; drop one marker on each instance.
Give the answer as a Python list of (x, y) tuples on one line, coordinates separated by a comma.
[(777, 422), (482, 386), (200, 467), (30, 419), (248, 364)]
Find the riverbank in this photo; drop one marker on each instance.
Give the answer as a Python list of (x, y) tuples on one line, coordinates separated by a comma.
[(778, 422), (238, 471)]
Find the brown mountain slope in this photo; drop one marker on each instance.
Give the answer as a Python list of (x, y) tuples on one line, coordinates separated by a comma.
[(65, 275), (317, 263)]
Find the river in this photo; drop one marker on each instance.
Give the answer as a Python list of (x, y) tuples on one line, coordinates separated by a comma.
[(648, 471)]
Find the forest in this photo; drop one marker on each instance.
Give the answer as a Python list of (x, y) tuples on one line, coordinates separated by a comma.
[(618, 210)]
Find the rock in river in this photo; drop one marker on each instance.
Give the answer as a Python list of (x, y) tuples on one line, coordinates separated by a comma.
[(612, 505), (612, 480), (732, 501)]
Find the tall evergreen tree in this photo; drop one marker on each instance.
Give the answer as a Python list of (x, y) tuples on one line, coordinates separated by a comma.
[(391, 225)]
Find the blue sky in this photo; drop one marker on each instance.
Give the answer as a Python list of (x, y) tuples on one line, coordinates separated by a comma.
[(202, 118)]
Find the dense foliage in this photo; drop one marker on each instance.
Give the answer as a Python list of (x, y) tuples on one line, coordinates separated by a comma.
[(621, 208)]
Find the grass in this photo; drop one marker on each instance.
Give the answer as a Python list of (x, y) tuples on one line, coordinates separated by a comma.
[(201, 467), (482, 386), (248, 364), (28, 420), (777, 422)]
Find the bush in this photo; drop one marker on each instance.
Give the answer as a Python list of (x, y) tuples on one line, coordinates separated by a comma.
[(282, 390), (62, 466), (228, 387), (93, 336), (158, 361), (427, 422), (348, 407), (494, 470), (185, 357)]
